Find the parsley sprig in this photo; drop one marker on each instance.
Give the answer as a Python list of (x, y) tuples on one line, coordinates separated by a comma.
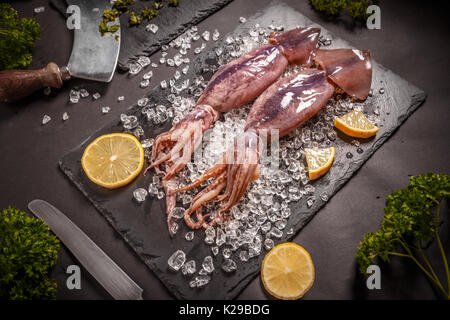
[(411, 219), (121, 7), (17, 38)]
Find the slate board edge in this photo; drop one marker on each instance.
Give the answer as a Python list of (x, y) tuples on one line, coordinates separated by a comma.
[(183, 28)]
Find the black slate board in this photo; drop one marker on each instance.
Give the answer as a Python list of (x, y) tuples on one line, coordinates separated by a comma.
[(171, 22), (144, 228)]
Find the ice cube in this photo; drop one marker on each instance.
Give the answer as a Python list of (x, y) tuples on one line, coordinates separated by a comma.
[(268, 244), (185, 70), (281, 224), (275, 232), (189, 236), (148, 75), (144, 83), (130, 123), (84, 93), (152, 189), (170, 62), (178, 212), (226, 253), (74, 96), (210, 232), (140, 194), (96, 96), (208, 264), (134, 68), (46, 119), (216, 35), (142, 102), (202, 280), (205, 35), (105, 109), (229, 265), (189, 268), (324, 197), (331, 135), (174, 227), (164, 84), (147, 143), (215, 250), (120, 98), (143, 61), (221, 237), (177, 260), (65, 116), (242, 20), (152, 27), (310, 201), (243, 255), (39, 9)]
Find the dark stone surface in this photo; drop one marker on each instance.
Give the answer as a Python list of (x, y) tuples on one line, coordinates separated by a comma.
[(171, 22), (144, 226), (411, 43)]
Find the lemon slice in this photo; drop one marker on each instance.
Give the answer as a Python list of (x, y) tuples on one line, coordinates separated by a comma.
[(113, 160), (319, 161), (355, 124), (287, 271)]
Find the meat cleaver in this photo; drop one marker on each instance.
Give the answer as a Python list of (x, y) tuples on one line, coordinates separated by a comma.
[(94, 57)]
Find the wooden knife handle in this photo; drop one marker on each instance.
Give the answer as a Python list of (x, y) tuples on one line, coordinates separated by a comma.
[(17, 84)]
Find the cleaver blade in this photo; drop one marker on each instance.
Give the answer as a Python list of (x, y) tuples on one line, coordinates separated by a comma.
[(94, 56)]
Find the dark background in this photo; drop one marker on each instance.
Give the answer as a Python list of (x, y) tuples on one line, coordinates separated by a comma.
[(413, 42)]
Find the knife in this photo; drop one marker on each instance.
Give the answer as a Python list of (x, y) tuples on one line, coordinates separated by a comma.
[(94, 57), (96, 262)]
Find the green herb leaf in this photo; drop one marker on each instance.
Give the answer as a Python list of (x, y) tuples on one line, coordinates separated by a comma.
[(17, 38), (27, 253)]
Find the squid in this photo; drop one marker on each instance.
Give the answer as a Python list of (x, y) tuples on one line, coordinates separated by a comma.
[(348, 69), (284, 106), (234, 85)]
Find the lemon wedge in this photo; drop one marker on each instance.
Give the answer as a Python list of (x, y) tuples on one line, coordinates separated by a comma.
[(113, 160), (319, 161), (355, 124), (287, 271)]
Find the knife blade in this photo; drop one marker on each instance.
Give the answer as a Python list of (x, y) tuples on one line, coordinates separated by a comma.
[(119, 285), (94, 56)]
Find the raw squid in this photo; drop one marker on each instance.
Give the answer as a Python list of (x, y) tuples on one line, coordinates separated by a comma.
[(233, 86), (349, 69), (284, 106)]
